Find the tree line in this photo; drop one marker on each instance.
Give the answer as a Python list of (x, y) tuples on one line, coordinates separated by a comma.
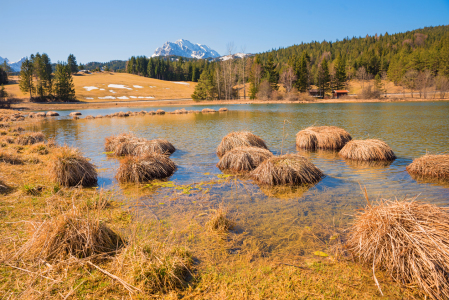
[(41, 83)]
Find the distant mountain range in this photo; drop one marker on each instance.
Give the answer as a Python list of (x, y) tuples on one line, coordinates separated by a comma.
[(185, 48), (15, 66)]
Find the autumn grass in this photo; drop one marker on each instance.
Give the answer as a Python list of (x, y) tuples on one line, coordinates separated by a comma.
[(243, 159), (367, 150), (406, 238), (239, 139), (129, 144), (322, 137), (220, 220), (431, 166), (288, 169), (30, 138), (136, 169)]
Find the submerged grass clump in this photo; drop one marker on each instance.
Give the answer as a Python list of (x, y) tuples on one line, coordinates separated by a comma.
[(288, 169), (30, 138), (430, 165), (322, 137), (220, 221), (112, 142), (367, 150), (70, 234), (407, 239), (239, 139), (69, 168), (243, 159), (151, 166)]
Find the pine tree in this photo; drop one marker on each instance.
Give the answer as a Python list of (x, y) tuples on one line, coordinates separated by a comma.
[(340, 73), (63, 83), (3, 93), (71, 62), (270, 72), (323, 77), (302, 73), (205, 89), (26, 77)]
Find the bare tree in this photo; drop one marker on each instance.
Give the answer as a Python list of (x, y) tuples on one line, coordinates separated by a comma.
[(410, 80), (424, 81), (362, 75), (384, 78), (287, 78), (442, 85), (243, 64)]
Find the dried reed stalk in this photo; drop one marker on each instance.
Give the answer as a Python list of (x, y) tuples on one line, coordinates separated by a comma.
[(367, 150), (430, 165), (407, 239), (322, 137), (30, 138), (243, 159), (239, 139), (151, 166)]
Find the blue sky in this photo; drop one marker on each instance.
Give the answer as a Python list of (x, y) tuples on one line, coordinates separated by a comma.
[(100, 30)]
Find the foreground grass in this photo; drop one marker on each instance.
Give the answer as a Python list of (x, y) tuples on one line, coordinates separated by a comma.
[(205, 262)]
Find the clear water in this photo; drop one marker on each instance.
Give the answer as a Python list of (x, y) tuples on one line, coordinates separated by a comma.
[(410, 129)]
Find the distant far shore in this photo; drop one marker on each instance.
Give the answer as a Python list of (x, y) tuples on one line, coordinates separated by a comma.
[(30, 106)]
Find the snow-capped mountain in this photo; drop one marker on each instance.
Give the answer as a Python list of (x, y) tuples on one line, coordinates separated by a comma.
[(236, 55), (185, 48), (14, 65)]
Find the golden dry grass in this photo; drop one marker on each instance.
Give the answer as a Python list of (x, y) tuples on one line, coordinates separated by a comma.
[(243, 159), (70, 234), (30, 138), (69, 168), (288, 169), (220, 221), (129, 144), (367, 150), (407, 239), (136, 169), (159, 146), (322, 137), (430, 165), (239, 139), (160, 89)]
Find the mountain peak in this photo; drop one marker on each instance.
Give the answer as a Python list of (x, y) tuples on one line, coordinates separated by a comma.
[(185, 48)]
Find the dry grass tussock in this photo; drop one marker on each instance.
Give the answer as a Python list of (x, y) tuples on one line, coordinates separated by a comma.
[(10, 158), (30, 138), (322, 137), (129, 144), (112, 142), (289, 169), (71, 234), (159, 146), (69, 168), (430, 165), (154, 266), (239, 139), (407, 239), (243, 159), (145, 168), (367, 150), (220, 221)]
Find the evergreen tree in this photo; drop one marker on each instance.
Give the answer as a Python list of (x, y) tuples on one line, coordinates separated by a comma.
[(3, 93), (63, 83), (302, 73), (26, 77), (323, 80), (204, 90), (340, 73), (3, 76), (270, 72), (71, 62)]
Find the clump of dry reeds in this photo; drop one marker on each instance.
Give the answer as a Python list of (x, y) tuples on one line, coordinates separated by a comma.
[(223, 109), (154, 266), (70, 234), (220, 221), (160, 112), (150, 166), (208, 110), (10, 158), (407, 239), (430, 165), (160, 146), (367, 150), (112, 142), (69, 168), (322, 137), (243, 159), (288, 169), (239, 139), (30, 138)]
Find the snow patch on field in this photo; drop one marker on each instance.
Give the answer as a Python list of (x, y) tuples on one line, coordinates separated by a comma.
[(141, 97), (90, 88), (138, 86), (184, 83), (89, 98), (112, 91), (101, 89), (119, 86), (122, 98), (134, 97), (107, 97), (152, 86)]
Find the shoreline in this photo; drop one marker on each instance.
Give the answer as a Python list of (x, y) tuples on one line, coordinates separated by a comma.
[(30, 106)]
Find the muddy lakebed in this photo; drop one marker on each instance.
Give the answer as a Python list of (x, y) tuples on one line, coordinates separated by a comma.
[(276, 217)]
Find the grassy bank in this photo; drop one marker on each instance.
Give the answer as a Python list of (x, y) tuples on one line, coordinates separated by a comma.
[(183, 254)]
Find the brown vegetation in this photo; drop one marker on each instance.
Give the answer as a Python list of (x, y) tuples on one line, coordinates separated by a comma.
[(219, 221), (407, 239), (145, 168), (160, 146), (367, 150), (129, 144), (239, 139), (30, 138), (243, 159), (69, 168), (289, 169), (430, 165), (322, 137)]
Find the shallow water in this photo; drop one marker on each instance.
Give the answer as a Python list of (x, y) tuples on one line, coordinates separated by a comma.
[(410, 129)]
